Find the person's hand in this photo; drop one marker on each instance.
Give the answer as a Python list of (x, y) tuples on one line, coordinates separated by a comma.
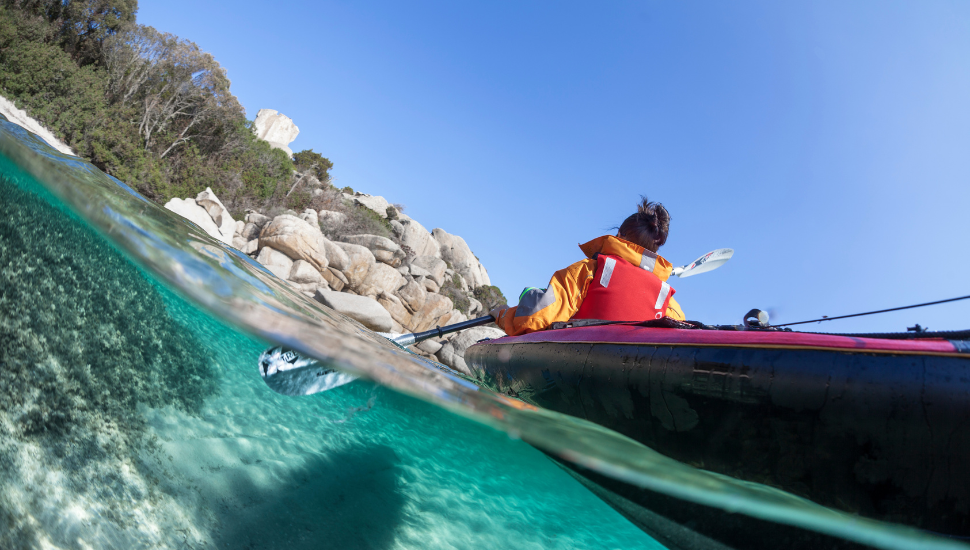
[(497, 310)]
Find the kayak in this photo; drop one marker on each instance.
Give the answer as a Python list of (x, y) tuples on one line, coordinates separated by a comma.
[(875, 426)]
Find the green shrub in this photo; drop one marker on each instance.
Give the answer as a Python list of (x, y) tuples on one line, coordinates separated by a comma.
[(451, 288), (317, 164), (362, 220), (489, 296), (73, 80)]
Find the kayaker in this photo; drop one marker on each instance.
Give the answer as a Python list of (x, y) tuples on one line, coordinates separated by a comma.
[(622, 279)]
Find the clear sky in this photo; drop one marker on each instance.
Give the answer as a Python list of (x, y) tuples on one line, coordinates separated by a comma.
[(828, 143)]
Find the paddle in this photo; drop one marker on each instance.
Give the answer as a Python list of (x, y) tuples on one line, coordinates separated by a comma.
[(707, 262), (289, 373), (406, 340)]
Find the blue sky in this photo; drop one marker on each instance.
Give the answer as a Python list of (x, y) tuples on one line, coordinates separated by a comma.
[(828, 143)]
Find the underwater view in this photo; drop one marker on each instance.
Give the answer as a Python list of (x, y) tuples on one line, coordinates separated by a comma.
[(133, 413)]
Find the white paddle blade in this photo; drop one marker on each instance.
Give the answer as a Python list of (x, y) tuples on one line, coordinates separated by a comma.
[(707, 262), (289, 373)]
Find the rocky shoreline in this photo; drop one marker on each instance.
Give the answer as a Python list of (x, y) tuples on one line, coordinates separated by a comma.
[(407, 280), (410, 281)]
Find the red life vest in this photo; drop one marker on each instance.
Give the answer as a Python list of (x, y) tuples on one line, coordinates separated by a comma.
[(621, 291)]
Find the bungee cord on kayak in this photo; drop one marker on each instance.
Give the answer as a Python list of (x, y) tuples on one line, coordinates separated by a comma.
[(874, 312)]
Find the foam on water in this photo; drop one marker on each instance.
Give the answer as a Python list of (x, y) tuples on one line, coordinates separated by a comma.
[(208, 456)]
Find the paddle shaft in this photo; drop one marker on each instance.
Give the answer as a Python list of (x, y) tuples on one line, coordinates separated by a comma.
[(406, 340)]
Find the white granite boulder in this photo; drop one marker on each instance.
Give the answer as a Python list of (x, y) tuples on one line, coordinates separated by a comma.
[(452, 317), (20, 118), (219, 213), (453, 352), (275, 128), (359, 262), (417, 238), (435, 306), (276, 262), (310, 216), (250, 247), (335, 279), (257, 219), (446, 355), (335, 255), (384, 249), (371, 202), (297, 239), (250, 231), (455, 251), (429, 284), (396, 308), (303, 272), (255, 222), (429, 266), (380, 278), (198, 215), (430, 346), (414, 294), (360, 308)]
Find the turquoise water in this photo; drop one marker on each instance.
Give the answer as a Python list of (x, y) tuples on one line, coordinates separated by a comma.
[(133, 415), (212, 457)]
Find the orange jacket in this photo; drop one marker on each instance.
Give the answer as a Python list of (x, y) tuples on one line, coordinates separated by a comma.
[(561, 299)]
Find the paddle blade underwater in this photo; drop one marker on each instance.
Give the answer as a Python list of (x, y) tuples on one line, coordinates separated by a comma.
[(289, 373)]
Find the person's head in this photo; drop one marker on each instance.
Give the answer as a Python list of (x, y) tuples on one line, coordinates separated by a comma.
[(648, 227)]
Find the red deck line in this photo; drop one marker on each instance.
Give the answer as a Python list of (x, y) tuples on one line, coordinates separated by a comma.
[(627, 334)]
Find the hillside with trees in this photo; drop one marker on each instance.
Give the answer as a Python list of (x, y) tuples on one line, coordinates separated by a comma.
[(156, 112), (145, 106)]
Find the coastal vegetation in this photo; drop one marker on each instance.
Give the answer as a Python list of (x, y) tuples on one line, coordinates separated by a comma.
[(148, 107), (156, 111)]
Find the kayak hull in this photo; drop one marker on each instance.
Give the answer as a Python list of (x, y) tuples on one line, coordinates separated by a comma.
[(873, 427)]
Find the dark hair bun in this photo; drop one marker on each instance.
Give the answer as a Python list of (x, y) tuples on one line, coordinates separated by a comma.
[(648, 227)]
